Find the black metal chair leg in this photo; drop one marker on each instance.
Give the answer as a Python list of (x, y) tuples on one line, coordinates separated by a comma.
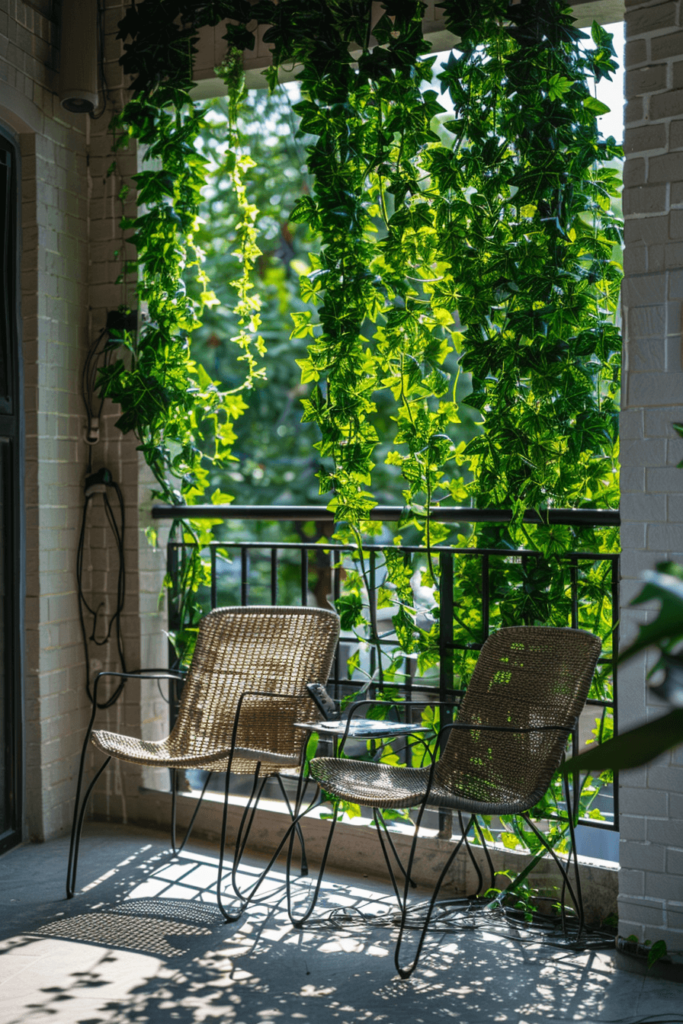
[(301, 921), (240, 842), (473, 859), (230, 918), (484, 844), (405, 972), (578, 904), (75, 828), (404, 901), (174, 794), (299, 833), (393, 848), (76, 831), (573, 854), (377, 815), (302, 785)]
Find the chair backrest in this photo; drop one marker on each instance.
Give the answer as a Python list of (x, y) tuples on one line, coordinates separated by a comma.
[(526, 676), (268, 648)]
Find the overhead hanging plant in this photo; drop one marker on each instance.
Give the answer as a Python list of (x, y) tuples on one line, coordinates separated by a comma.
[(167, 398), (488, 230), (523, 203), (504, 219)]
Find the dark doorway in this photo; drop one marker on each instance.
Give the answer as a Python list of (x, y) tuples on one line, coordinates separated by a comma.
[(11, 547)]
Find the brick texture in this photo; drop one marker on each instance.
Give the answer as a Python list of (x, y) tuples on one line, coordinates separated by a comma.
[(651, 799), (70, 233)]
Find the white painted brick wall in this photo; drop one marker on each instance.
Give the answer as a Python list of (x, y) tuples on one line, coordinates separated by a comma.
[(70, 232), (651, 848)]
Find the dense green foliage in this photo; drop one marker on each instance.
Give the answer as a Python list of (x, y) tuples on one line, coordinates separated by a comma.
[(491, 236), (508, 225), (274, 449), (529, 239)]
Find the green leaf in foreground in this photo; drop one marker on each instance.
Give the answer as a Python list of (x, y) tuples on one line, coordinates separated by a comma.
[(668, 626), (633, 748), (656, 953)]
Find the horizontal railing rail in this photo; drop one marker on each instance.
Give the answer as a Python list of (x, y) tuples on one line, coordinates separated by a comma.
[(257, 567)]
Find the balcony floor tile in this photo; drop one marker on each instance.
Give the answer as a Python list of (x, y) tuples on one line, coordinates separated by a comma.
[(143, 942)]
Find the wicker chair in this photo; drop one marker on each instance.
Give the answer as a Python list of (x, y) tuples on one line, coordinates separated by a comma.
[(243, 691), (527, 690)]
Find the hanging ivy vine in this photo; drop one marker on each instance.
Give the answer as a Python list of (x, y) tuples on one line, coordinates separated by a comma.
[(166, 398), (468, 208)]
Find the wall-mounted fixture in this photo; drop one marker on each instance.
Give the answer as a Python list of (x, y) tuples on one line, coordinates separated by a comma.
[(79, 56)]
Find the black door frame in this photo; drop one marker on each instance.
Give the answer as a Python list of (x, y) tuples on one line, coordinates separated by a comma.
[(12, 441)]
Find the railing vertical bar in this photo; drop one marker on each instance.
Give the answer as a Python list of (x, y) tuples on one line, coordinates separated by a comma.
[(409, 661), (244, 575), (485, 596), (304, 577), (574, 793), (408, 683), (336, 558), (574, 577), (525, 562), (173, 624), (273, 575), (172, 569), (446, 573), (214, 591), (372, 601), (446, 625)]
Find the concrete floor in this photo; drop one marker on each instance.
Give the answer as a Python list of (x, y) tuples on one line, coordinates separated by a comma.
[(142, 942)]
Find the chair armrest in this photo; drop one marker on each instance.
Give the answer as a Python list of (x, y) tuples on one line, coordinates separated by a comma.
[(146, 673), (150, 673)]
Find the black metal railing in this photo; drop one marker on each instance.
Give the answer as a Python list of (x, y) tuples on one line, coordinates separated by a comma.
[(247, 571)]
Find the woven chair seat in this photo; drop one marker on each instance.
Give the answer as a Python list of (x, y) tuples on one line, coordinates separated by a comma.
[(383, 785), (369, 783), (163, 754)]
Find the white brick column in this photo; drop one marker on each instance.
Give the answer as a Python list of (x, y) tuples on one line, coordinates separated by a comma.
[(69, 238), (651, 848)]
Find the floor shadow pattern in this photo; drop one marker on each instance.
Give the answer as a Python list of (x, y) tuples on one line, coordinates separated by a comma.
[(143, 943)]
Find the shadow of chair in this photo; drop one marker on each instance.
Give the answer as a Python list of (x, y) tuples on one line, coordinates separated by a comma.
[(244, 690), (527, 690)]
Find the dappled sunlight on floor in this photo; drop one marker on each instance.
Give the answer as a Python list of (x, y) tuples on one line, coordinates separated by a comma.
[(144, 942)]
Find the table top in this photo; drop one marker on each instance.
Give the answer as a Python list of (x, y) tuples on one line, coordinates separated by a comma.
[(361, 727)]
